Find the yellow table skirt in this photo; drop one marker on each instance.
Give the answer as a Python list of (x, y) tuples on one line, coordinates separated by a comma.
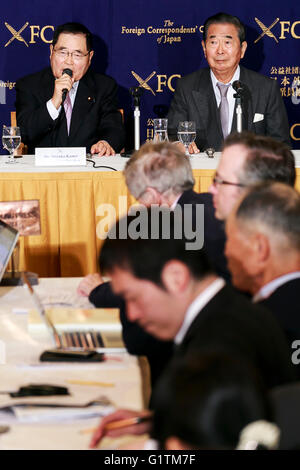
[(73, 209)]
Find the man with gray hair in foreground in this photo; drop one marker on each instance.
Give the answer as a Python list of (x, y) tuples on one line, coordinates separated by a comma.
[(173, 293), (160, 174), (249, 159), (263, 251)]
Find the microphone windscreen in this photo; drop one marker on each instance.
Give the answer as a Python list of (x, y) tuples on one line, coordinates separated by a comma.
[(68, 72), (238, 86)]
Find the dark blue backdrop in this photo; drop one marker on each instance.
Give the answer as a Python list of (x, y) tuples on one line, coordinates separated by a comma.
[(146, 36)]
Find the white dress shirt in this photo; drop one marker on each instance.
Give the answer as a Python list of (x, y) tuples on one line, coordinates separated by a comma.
[(54, 113), (230, 93), (197, 305), (269, 288)]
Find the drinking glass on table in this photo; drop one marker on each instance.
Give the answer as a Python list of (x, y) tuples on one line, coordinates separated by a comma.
[(11, 139), (186, 134), (160, 130)]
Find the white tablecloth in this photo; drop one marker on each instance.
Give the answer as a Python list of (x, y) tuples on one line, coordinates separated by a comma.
[(120, 373)]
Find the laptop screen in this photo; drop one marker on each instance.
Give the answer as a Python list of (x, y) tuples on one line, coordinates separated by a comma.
[(8, 239)]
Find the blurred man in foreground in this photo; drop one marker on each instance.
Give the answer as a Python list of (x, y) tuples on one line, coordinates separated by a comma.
[(173, 293), (248, 159), (160, 174), (263, 251)]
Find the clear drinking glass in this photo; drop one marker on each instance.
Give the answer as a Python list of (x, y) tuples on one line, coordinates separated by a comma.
[(186, 134), (160, 130), (11, 139)]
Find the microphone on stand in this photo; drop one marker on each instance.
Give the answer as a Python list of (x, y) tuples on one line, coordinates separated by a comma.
[(238, 87), (65, 90)]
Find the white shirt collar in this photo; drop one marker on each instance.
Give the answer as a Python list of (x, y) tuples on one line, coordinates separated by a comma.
[(174, 204), (73, 92), (214, 80), (269, 288), (197, 305)]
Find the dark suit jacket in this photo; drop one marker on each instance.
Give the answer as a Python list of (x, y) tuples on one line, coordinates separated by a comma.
[(137, 340), (231, 324), (194, 100), (95, 113), (214, 234), (284, 303)]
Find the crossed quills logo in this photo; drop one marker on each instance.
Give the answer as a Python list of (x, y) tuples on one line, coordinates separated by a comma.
[(28, 34), (287, 29), (266, 30), (16, 34)]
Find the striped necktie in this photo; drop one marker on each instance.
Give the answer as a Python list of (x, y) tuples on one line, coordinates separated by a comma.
[(224, 107), (68, 111)]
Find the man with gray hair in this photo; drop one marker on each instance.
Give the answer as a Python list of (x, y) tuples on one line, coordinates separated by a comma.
[(160, 174), (249, 159), (263, 251)]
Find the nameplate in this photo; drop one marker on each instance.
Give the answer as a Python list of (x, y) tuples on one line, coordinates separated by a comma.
[(60, 156)]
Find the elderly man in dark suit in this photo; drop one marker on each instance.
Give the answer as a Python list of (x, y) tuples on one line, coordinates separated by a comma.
[(172, 292), (263, 251), (206, 96), (68, 105)]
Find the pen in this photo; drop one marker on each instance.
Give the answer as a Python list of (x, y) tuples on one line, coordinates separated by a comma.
[(122, 423), (91, 383)]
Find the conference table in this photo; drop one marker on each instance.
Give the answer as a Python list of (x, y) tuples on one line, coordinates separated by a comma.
[(77, 204), (118, 380)]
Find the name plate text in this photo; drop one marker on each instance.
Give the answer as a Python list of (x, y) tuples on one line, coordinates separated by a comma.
[(60, 156)]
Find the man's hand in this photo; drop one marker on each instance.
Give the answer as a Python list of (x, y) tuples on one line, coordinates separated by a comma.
[(192, 147), (64, 82), (102, 148), (88, 284), (137, 429)]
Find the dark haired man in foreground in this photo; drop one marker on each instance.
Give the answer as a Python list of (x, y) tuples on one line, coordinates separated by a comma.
[(173, 293)]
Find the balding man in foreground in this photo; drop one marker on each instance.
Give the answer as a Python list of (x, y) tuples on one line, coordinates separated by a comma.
[(173, 293), (249, 159)]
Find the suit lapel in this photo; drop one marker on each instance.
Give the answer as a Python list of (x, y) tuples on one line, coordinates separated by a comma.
[(84, 101), (47, 85), (212, 307), (206, 104)]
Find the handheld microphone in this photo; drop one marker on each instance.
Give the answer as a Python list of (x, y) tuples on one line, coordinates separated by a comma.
[(65, 90), (238, 87)]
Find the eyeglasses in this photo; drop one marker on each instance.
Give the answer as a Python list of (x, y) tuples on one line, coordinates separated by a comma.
[(217, 180), (64, 54)]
